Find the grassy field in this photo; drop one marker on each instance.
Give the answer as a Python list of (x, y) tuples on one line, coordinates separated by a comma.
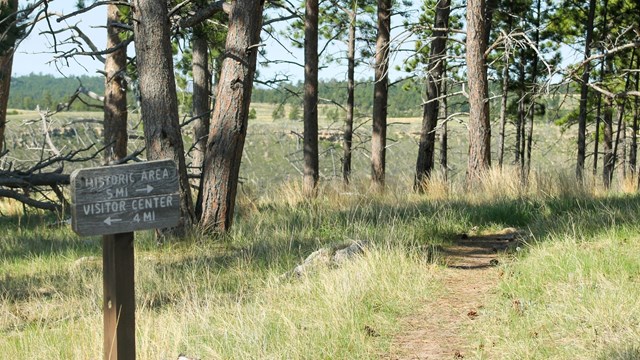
[(275, 144), (570, 293)]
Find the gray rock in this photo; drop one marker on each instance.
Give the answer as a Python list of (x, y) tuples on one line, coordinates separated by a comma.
[(328, 257), (347, 253)]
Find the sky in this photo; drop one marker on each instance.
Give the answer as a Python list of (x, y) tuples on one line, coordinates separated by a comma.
[(36, 54)]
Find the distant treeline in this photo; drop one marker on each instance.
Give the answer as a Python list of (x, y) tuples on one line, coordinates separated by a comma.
[(405, 97), (48, 91)]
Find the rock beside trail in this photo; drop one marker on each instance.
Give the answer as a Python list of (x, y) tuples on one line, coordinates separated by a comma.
[(329, 257)]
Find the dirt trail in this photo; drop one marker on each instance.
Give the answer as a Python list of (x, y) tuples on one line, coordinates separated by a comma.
[(436, 330)]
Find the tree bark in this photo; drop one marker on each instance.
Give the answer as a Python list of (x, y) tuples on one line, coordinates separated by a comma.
[(115, 96), (201, 104), (351, 67), (230, 115), (584, 93), (311, 166), (6, 64), (380, 95), (479, 127), (159, 104), (435, 70)]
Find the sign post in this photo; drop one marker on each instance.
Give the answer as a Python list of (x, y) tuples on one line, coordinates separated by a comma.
[(114, 201)]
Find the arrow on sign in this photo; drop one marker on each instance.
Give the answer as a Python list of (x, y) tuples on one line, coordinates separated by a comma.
[(110, 221), (146, 189)]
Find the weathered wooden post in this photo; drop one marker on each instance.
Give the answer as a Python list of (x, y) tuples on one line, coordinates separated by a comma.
[(114, 201)]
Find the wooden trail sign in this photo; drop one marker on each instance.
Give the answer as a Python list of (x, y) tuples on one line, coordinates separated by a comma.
[(115, 201), (124, 198)]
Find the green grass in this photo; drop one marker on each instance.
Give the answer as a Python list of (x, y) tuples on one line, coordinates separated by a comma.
[(573, 295), (224, 297), (570, 294)]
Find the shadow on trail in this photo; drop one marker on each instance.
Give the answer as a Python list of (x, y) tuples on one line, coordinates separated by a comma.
[(480, 252)]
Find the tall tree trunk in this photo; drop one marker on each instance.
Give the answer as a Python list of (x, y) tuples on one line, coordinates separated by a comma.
[(380, 95), (230, 115), (620, 126), (311, 167), (616, 143), (607, 144), (444, 133), (596, 141), (603, 71), (503, 105), (201, 105), (435, 69), (489, 8), (521, 113), (624, 149), (633, 152), (584, 93), (534, 91), (7, 44), (351, 67), (479, 126), (159, 105), (115, 96), (522, 118)]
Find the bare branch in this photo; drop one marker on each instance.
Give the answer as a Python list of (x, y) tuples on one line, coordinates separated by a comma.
[(205, 13), (88, 8), (29, 201), (177, 8), (607, 53), (612, 95), (73, 52), (45, 129), (279, 19), (20, 180), (333, 102)]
